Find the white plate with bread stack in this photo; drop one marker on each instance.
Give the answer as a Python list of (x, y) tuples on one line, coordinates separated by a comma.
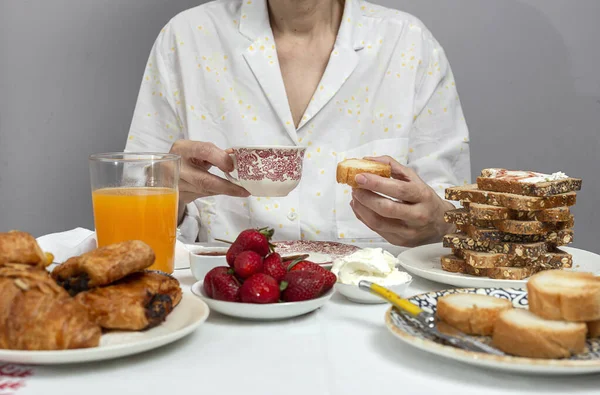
[(553, 327), (512, 225)]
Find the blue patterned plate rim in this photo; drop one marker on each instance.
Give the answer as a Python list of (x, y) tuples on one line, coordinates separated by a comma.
[(408, 332)]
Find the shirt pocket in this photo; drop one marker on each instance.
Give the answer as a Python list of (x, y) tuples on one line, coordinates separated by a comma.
[(348, 226)]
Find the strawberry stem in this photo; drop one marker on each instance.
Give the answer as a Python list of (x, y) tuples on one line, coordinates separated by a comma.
[(295, 262), (224, 241), (283, 286)]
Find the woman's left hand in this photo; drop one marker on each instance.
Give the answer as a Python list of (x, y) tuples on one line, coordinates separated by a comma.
[(415, 218)]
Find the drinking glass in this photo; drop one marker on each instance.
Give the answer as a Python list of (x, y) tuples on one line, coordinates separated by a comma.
[(135, 197)]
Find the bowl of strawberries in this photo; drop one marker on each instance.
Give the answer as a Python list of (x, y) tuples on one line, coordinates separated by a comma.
[(258, 284)]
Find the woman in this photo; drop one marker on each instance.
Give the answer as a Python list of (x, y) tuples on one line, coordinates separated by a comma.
[(345, 79)]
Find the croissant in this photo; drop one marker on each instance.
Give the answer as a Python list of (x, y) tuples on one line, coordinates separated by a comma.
[(103, 266), (21, 247), (37, 314), (139, 301)]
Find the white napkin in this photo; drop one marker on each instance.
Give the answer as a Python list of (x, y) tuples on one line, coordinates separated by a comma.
[(64, 245)]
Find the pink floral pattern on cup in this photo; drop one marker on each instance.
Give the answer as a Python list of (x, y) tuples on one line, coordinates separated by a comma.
[(275, 164)]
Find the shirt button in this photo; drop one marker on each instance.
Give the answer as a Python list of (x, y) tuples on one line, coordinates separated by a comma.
[(292, 216)]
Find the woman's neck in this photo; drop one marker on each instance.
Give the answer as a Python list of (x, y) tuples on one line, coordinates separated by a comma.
[(305, 17)]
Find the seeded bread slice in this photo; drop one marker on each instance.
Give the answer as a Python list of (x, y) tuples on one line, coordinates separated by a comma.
[(560, 237), (470, 193), (525, 183), (470, 313), (491, 213), (453, 264), (524, 250), (520, 332), (564, 295), (531, 227), (461, 216)]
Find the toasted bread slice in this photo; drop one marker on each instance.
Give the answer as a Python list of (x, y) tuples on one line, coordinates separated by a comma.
[(531, 227), (524, 250), (492, 213), (486, 260), (454, 264), (470, 193), (564, 295), (520, 332), (527, 182), (470, 313), (560, 237), (593, 329), (461, 216), (348, 169)]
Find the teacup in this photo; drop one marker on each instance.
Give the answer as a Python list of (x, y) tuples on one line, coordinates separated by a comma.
[(268, 171)]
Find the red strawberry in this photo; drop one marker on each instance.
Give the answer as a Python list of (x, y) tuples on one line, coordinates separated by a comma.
[(256, 240), (210, 275), (301, 285), (273, 266), (260, 288), (226, 287), (248, 263), (330, 278)]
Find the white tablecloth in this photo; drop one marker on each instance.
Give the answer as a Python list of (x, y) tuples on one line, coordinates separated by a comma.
[(341, 349)]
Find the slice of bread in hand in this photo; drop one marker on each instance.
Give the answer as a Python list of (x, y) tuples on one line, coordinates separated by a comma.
[(520, 332), (564, 295), (471, 314), (347, 170)]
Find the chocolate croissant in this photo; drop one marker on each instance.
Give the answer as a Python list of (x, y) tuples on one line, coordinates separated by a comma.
[(37, 314), (139, 301), (103, 266)]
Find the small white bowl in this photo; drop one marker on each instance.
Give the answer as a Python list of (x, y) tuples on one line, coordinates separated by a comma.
[(264, 312), (202, 264), (357, 295)]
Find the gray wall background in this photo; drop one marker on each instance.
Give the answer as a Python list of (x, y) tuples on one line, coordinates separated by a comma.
[(527, 73)]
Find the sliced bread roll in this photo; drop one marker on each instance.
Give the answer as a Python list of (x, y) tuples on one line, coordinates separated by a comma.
[(520, 332), (347, 170), (563, 295), (593, 329), (471, 314)]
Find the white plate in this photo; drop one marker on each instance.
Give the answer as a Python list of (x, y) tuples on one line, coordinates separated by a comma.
[(424, 261), (271, 311), (185, 318), (411, 334)]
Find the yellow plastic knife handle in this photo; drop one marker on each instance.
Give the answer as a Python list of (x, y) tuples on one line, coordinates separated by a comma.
[(396, 300)]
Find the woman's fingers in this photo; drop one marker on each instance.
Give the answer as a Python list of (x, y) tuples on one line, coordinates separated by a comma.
[(203, 153), (406, 191), (205, 184), (387, 208)]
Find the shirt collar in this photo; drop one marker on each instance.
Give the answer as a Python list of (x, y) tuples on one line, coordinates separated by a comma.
[(254, 23)]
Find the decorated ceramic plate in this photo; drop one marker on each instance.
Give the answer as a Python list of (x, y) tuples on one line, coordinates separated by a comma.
[(321, 252), (424, 261), (411, 334)]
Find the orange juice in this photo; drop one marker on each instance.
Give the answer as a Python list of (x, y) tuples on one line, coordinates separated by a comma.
[(146, 214)]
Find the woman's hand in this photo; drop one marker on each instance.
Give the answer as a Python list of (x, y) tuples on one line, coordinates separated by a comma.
[(194, 179), (415, 218)]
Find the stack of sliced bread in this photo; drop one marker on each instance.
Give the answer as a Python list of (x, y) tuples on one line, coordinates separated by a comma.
[(511, 225), (564, 308)]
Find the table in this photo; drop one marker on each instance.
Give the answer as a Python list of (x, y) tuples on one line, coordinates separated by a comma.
[(341, 349)]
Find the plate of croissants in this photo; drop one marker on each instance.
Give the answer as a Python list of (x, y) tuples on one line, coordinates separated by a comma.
[(100, 305)]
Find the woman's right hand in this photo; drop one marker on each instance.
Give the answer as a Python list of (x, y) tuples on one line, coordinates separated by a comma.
[(194, 179)]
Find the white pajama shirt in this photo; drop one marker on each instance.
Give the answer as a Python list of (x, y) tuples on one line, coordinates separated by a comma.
[(213, 75)]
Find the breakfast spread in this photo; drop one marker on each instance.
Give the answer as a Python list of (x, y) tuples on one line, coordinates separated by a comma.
[(256, 274), (348, 169), (511, 225), (371, 264), (38, 310)]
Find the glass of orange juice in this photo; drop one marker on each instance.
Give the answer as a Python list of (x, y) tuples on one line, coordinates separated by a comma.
[(135, 197)]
